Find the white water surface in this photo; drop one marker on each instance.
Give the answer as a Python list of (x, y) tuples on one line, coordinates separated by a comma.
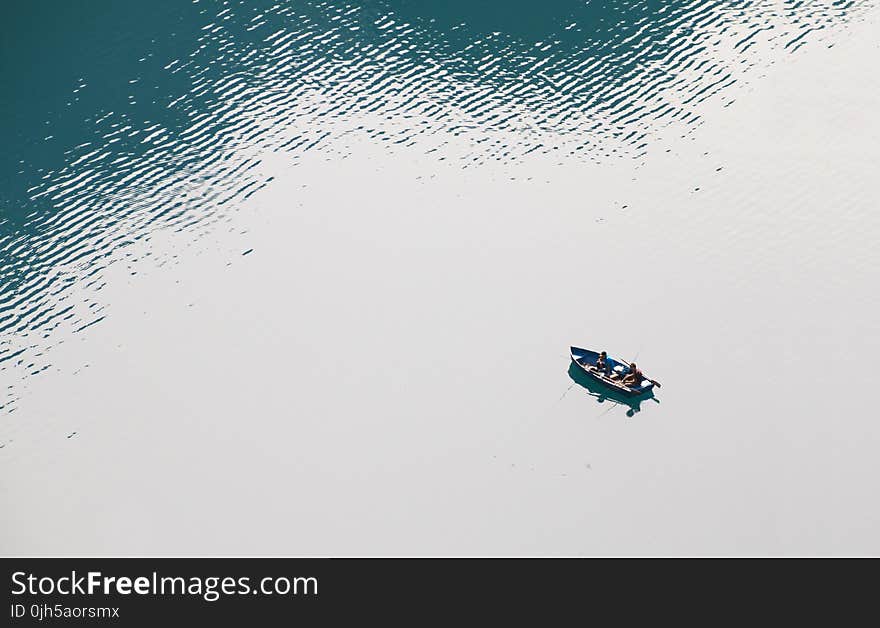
[(385, 372)]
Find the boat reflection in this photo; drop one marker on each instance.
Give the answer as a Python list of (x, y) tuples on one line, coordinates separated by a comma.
[(603, 393)]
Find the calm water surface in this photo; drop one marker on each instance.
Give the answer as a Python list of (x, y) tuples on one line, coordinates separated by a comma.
[(435, 199)]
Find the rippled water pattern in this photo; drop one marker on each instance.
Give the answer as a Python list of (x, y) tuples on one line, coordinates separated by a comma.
[(172, 109)]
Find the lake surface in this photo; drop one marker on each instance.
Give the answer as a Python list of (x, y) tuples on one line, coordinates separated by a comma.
[(300, 278)]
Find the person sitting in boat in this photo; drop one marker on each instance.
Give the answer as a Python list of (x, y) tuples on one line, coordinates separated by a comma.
[(634, 377), (601, 363)]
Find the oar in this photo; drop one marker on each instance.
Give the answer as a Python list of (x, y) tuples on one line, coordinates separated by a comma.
[(653, 381)]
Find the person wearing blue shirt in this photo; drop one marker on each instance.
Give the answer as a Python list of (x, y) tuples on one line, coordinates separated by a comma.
[(601, 363)]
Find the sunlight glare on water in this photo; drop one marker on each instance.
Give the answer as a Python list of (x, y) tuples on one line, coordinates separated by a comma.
[(129, 126)]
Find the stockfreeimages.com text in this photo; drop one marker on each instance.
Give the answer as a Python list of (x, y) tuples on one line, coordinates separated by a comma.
[(209, 588)]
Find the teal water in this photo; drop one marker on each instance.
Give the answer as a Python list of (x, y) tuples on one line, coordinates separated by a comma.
[(123, 123), (119, 120)]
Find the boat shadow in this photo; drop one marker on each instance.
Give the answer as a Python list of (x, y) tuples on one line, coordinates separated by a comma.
[(603, 393)]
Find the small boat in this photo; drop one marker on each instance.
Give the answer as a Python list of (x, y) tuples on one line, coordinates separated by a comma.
[(585, 359), (602, 393)]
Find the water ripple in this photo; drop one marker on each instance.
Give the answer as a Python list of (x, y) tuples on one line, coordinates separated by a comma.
[(166, 121)]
